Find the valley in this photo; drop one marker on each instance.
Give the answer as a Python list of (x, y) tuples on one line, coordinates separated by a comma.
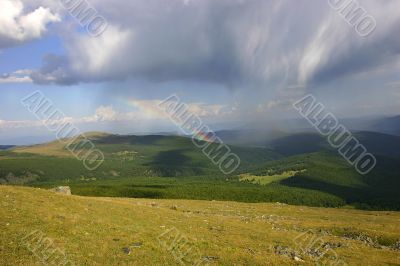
[(171, 167)]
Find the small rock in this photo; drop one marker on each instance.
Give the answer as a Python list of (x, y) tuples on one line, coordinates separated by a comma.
[(396, 246), (62, 190), (210, 258), (174, 207), (137, 245), (297, 258), (127, 250), (251, 251), (330, 245), (285, 251), (213, 228)]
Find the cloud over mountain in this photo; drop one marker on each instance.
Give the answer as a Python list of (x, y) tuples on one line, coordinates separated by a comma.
[(230, 42)]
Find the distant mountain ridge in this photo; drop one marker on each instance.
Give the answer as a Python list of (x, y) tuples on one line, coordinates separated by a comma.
[(389, 125), (6, 147)]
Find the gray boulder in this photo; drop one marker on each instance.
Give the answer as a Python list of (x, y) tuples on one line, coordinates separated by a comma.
[(62, 190)]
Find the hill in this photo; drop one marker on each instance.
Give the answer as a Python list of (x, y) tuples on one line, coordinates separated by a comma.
[(376, 143), (298, 169), (390, 125), (327, 172), (6, 147), (151, 155), (105, 231)]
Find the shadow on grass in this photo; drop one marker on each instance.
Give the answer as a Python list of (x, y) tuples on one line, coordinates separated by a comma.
[(173, 163), (349, 194)]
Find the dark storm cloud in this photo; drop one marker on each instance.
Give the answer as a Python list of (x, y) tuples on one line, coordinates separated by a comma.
[(230, 42)]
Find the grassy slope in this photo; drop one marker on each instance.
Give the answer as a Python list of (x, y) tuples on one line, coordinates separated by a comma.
[(328, 172), (328, 179), (93, 231), (267, 179), (202, 188), (155, 155)]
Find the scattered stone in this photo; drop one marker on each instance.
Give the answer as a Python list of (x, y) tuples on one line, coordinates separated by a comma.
[(383, 247), (298, 259), (213, 228), (251, 251), (322, 232), (330, 245), (137, 245), (127, 250), (286, 251), (210, 258), (322, 250), (315, 252), (62, 190), (174, 207), (396, 246), (361, 237)]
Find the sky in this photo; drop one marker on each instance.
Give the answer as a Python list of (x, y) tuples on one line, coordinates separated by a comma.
[(234, 62)]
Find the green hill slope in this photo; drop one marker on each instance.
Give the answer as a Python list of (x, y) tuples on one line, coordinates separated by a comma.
[(125, 156), (328, 172), (299, 169)]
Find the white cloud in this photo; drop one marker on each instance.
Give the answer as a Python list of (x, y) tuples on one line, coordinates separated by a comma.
[(8, 124), (17, 25), (149, 110), (19, 76), (97, 56), (142, 110), (102, 114)]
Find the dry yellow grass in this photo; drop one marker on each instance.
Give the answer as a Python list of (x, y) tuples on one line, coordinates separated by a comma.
[(95, 231), (57, 148), (54, 148)]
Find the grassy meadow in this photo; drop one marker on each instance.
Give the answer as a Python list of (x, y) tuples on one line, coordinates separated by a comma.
[(120, 231)]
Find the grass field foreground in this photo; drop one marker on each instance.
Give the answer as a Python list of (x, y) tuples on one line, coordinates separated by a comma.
[(118, 231)]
